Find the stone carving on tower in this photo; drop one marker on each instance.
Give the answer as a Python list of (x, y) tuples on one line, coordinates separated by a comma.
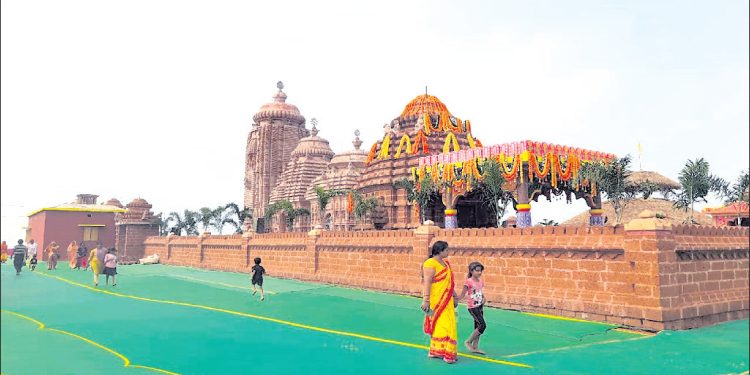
[(277, 129)]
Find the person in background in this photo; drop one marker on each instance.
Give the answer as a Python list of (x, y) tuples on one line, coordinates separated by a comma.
[(52, 255), (32, 262), (258, 272), (96, 260), (83, 252), (4, 252), (110, 266), (32, 249), (73, 255), (19, 256)]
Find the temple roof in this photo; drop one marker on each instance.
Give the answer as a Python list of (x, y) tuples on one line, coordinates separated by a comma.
[(741, 209), (424, 103), (279, 109), (654, 178), (309, 160)]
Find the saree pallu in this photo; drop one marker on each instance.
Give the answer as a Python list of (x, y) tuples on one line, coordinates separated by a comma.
[(441, 325)]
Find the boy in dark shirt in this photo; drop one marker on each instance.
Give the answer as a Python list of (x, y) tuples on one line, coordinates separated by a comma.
[(258, 272), (32, 262)]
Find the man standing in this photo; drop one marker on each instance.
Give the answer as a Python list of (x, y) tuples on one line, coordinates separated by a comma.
[(32, 249), (20, 252)]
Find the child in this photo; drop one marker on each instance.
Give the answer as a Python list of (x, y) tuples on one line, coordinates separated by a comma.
[(258, 272), (85, 263), (32, 262), (474, 286), (110, 266)]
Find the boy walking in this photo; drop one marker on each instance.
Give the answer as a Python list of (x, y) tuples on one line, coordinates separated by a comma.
[(257, 280)]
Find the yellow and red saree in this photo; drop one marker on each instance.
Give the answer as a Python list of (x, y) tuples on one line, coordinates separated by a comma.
[(441, 324)]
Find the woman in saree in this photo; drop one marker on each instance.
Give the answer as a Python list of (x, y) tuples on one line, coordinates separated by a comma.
[(96, 261), (73, 255), (438, 303), (52, 255)]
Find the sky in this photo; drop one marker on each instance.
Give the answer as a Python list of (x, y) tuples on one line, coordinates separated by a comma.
[(154, 99)]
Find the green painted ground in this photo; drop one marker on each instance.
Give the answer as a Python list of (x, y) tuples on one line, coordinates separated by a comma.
[(190, 321)]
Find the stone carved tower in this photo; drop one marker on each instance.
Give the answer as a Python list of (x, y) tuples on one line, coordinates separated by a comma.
[(277, 129)]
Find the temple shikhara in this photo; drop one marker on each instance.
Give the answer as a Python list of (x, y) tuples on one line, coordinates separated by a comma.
[(286, 162)]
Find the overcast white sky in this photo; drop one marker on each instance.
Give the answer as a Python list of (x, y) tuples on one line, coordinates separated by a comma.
[(155, 98)]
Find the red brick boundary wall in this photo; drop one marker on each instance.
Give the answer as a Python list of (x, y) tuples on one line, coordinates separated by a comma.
[(646, 274)]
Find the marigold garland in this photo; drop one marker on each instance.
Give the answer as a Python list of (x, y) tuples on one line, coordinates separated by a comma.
[(350, 203), (384, 147), (472, 143), (373, 150), (404, 140), (420, 140), (450, 139)]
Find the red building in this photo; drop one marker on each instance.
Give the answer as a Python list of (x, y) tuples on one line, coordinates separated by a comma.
[(81, 221), (735, 214)]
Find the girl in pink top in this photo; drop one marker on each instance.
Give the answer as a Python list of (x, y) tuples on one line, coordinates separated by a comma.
[(110, 266), (474, 287)]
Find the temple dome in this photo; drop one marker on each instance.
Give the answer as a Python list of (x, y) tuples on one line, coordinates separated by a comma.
[(279, 109), (114, 202), (429, 103), (138, 203), (313, 146)]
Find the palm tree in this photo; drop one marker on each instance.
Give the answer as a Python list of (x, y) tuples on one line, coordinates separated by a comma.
[(324, 197), (187, 222), (220, 216), (697, 182), (363, 206), (548, 223), (423, 196), (162, 224), (612, 180), (239, 216), (204, 217), (290, 212)]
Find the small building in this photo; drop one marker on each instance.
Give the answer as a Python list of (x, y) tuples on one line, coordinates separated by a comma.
[(735, 214), (82, 221)]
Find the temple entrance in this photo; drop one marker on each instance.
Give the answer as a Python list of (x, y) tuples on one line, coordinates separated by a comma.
[(473, 213), (435, 211)]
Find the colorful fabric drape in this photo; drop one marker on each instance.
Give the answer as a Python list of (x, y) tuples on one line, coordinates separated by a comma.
[(441, 325), (73, 254)]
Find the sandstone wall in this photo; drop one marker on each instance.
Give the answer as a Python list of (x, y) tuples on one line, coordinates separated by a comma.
[(646, 277)]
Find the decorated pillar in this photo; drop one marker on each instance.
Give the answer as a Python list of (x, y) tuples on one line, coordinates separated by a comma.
[(450, 197), (523, 207), (596, 219)]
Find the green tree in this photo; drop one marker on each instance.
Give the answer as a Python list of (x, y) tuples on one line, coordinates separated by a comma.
[(291, 214), (324, 197), (220, 216), (362, 205), (237, 218), (204, 217), (611, 179), (162, 224), (697, 182), (491, 189), (187, 222), (423, 196), (548, 223)]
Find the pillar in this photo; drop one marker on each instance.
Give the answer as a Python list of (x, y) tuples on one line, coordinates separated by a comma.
[(523, 207), (451, 220), (596, 219), (450, 197)]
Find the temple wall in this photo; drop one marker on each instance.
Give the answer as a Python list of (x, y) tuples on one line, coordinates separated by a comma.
[(647, 279)]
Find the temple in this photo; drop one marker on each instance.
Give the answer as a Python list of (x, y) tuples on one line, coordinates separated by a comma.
[(286, 162)]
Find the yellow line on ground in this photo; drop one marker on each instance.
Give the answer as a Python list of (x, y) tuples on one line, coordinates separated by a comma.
[(574, 347), (284, 322), (568, 319), (126, 361)]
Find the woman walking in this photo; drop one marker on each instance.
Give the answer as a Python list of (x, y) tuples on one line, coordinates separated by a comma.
[(52, 255), (96, 261), (438, 303), (73, 255)]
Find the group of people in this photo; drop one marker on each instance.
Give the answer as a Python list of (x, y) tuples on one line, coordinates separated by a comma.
[(440, 298), (101, 260)]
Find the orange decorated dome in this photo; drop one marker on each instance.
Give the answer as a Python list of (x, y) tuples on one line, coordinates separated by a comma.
[(425, 103)]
